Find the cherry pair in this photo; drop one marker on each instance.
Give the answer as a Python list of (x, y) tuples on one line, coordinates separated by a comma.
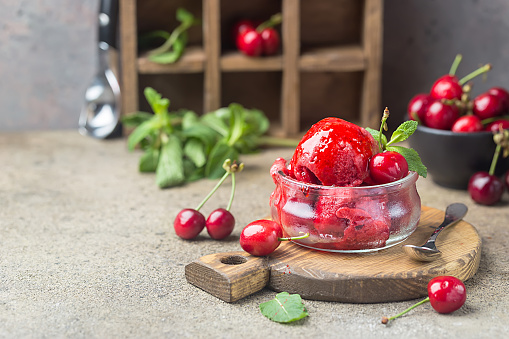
[(254, 39), (220, 223), (486, 188)]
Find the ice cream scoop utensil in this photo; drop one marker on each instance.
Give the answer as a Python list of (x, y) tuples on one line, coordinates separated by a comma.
[(429, 252)]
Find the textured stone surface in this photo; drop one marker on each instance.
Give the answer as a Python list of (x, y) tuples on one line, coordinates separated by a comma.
[(87, 250), (48, 53)]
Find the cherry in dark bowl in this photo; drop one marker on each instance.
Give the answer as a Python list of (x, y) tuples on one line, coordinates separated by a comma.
[(452, 158)]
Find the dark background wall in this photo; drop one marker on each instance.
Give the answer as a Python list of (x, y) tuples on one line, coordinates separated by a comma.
[(47, 53)]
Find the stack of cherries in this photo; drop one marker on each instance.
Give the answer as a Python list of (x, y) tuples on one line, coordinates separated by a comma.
[(449, 106), (255, 39)]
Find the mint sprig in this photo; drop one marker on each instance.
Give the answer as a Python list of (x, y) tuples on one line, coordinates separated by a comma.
[(284, 308), (181, 146), (402, 133)]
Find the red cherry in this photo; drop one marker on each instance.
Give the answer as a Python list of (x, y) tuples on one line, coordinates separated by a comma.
[(487, 106), (387, 167), (250, 42), (189, 223), (446, 294), (418, 106), (485, 189), (502, 95), (261, 237), (441, 116), (240, 26), (467, 123), (271, 40), (495, 125), (220, 224), (446, 87)]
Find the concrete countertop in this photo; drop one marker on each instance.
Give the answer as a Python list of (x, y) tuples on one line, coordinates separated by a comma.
[(87, 249)]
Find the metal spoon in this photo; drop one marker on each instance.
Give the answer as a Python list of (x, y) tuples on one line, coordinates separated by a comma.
[(429, 252), (100, 114)]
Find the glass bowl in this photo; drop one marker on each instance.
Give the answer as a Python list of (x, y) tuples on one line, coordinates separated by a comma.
[(346, 219)]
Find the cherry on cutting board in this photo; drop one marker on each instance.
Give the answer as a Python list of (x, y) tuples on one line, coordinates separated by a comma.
[(418, 105), (446, 294), (262, 237), (387, 167), (487, 106), (441, 116), (467, 123)]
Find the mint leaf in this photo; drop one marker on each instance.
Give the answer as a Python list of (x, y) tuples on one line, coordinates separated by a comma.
[(284, 308), (136, 119), (156, 102), (221, 151), (236, 123), (170, 170), (185, 17), (193, 149), (403, 131), (140, 133), (170, 57), (412, 158), (149, 160), (376, 136)]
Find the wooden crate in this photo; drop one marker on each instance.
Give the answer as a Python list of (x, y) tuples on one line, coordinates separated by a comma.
[(329, 64)]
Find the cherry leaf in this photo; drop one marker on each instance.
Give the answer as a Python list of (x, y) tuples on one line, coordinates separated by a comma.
[(284, 308)]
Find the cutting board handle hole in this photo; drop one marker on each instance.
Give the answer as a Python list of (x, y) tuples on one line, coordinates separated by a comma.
[(233, 260)]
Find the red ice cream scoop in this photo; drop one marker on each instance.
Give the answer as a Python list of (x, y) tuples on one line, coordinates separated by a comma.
[(333, 152)]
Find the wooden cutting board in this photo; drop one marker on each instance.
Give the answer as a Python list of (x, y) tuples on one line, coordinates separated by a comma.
[(386, 275)]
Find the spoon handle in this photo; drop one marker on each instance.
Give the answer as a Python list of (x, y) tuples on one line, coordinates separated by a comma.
[(454, 213)]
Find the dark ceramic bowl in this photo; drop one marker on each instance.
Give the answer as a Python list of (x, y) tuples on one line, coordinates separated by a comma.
[(452, 158)]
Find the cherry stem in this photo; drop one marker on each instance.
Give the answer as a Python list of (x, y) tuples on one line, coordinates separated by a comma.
[(475, 73), (274, 20), (489, 120), (495, 159), (455, 64), (294, 238), (213, 190), (233, 192), (385, 320), (383, 126)]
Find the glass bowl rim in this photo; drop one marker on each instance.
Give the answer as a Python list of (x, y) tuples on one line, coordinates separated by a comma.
[(409, 179)]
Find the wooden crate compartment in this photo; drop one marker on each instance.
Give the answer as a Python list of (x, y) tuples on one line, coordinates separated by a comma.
[(327, 46), (326, 94), (185, 90), (260, 90)]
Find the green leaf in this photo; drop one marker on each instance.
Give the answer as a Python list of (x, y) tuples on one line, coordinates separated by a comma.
[(149, 160), (236, 123), (172, 56), (158, 104), (403, 131), (284, 308), (376, 136), (140, 133), (412, 157), (135, 119), (221, 151), (170, 170), (185, 17), (214, 121), (194, 150)]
